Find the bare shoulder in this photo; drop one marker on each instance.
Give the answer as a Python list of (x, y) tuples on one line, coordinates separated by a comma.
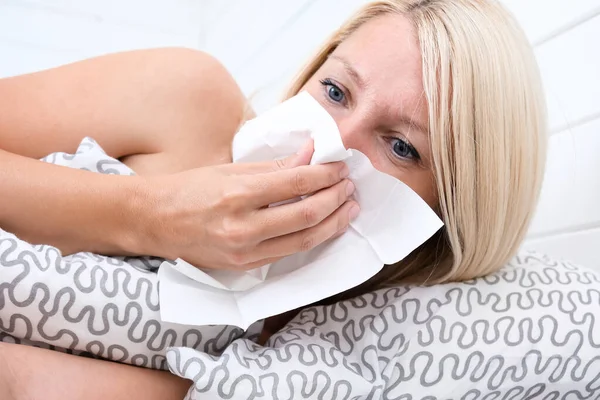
[(171, 103), (187, 74), (190, 75), (206, 103), (202, 108)]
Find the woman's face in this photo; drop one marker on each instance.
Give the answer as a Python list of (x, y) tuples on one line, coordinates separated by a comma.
[(372, 86)]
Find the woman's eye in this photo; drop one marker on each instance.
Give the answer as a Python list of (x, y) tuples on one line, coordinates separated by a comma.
[(333, 91), (335, 94), (403, 149)]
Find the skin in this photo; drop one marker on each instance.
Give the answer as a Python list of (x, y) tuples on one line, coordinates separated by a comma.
[(182, 203), (28, 373), (382, 100), (374, 115), (382, 109)]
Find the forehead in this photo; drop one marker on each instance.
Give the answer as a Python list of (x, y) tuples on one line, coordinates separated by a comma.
[(385, 51)]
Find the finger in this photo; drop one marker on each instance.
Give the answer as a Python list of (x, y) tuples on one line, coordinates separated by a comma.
[(275, 187), (303, 157), (260, 263), (289, 218), (339, 233), (309, 238)]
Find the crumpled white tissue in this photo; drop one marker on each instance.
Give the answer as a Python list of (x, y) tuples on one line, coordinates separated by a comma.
[(393, 221)]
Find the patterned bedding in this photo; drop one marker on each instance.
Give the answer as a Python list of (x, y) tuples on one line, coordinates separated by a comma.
[(528, 331)]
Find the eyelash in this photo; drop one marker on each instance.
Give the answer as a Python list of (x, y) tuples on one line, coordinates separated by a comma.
[(414, 155), (328, 83)]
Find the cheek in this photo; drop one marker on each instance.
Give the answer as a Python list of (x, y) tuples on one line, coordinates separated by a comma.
[(421, 182), (354, 132), (424, 185), (419, 179)]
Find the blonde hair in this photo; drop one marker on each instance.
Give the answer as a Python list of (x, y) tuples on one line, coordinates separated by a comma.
[(487, 127)]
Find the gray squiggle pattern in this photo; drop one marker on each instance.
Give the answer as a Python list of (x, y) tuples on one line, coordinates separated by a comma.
[(89, 304), (526, 332), (529, 331)]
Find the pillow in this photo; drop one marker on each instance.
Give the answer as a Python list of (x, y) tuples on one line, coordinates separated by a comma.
[(528, 331), (86, 303)]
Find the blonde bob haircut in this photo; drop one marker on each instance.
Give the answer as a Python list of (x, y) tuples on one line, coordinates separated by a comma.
[(487, 127)]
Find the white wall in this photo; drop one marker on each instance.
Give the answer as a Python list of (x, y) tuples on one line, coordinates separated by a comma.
[(264, 42), (566, 36), (38, 34)]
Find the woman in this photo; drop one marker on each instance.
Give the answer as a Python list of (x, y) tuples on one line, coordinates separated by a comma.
[(442, 94)]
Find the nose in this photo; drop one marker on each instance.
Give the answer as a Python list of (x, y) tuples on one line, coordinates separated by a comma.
[(354, 132)]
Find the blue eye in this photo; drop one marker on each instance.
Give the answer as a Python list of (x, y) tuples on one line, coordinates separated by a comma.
[(403, 149), (335, 94), (333, 91)]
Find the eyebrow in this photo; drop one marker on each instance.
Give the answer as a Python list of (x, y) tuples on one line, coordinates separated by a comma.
[(413, 124), (358, 79)]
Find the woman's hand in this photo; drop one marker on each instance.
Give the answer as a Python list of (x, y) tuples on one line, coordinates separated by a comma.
[(219, 217)]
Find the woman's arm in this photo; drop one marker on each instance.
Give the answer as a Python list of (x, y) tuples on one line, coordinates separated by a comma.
[(214, 216), (171, 101), (163, 110), (71, 209), (32, 373)]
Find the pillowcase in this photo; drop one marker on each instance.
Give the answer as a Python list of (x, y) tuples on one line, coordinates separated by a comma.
[(89, 304), (528, 331)]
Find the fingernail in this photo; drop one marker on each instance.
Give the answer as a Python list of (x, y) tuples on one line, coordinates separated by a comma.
[(344, 172), (349, 188), (354, 212)]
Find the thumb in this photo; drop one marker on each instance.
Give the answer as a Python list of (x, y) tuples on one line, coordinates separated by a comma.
[(302, 157)]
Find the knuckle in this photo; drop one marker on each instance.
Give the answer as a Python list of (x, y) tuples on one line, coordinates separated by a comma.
[(280, 163), (238, 259), (301, 184), (342, 195), (234, 196), (228, 196), (342, 223), (233, 234), (308, 242), (310, 215), (333, 176)]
